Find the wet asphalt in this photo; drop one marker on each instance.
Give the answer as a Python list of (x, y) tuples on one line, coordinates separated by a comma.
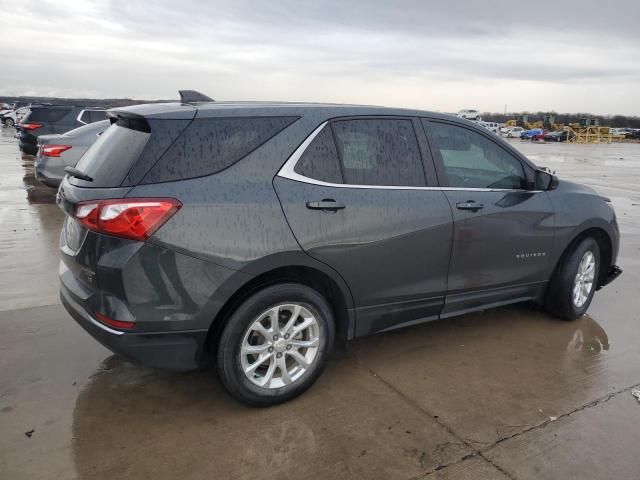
[(508, 393)]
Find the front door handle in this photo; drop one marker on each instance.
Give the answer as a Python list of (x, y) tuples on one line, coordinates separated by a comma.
[(328, 204), (469, 205)]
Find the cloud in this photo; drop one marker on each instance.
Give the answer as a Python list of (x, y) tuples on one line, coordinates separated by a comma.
[(407, 53)]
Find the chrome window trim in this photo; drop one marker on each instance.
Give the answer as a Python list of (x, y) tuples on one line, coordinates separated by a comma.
[(79, 117), (288, 171)]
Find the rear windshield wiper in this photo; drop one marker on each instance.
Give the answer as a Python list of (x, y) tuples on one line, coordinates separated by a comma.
[(74, 172)]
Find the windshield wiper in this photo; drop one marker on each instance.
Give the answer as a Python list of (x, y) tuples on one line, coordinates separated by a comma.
[(74, 172)]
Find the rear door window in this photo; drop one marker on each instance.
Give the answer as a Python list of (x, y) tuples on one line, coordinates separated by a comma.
[(379, 152), (210, 145), (320, 160)]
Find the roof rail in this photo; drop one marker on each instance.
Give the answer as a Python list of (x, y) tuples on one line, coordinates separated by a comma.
[(192, 96)]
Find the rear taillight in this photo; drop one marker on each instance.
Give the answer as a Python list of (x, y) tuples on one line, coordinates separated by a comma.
[(53, 150), (133, 218), (114, 323), (30, 126)]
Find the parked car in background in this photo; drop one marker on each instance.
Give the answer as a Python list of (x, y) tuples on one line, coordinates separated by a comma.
[(58, 151), (557, 136), (533, 134), (491, 126), (469, 114), (12, 117), (315, 221), (46, 119), (634, 134), (514, 132)]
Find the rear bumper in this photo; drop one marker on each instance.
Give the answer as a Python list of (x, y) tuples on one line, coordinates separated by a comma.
[(48, 172), (614, 272), (178, 351)]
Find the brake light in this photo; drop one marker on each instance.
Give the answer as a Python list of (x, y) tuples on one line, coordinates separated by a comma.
[(53, 150), (30, 126), (114, 323), (132, 218)]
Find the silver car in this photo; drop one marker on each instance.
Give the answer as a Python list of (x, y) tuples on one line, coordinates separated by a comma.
[(57, 151)]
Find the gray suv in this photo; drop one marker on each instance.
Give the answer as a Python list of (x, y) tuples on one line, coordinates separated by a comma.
[(255, 233)]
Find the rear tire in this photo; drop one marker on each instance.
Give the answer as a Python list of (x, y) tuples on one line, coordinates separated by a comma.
[(574, 283), (292, 349)]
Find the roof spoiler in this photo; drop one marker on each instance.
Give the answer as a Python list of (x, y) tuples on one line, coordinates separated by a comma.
[(192, 96)]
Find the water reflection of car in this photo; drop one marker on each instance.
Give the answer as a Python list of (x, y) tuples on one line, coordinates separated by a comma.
[(56, 152), (557, 136)]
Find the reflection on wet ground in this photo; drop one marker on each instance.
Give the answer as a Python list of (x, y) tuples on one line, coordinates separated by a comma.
[(30, 222), (506, 393)]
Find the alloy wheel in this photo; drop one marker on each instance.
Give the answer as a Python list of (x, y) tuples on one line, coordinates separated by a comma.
[(583, 283), (280, 345)]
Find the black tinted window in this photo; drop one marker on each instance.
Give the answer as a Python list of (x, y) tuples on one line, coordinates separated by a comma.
[(212, 144), (473, 161), (97, 115), (47, 114), (320, 159), (111, 156), (379, 152)]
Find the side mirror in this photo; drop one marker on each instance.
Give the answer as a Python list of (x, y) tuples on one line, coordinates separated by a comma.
[(546, 180)]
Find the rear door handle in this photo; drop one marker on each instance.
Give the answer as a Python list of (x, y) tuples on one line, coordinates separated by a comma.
[(327, 204), (469, 205)]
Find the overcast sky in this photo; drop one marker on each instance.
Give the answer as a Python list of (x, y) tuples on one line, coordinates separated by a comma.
[(437, 55)]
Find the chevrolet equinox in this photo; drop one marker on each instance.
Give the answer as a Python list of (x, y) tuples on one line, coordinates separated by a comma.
[(255, 233)]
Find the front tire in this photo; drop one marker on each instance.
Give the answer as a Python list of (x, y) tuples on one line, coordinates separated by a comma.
[(275, 344), (574, 283)]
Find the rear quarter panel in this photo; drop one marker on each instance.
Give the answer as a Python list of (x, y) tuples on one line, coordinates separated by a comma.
[(231, 218)]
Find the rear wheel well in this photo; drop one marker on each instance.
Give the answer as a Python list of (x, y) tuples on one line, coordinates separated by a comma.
[(604, 243), (308, 276)]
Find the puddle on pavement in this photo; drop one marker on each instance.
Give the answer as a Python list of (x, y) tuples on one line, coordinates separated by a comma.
[(31, 223)]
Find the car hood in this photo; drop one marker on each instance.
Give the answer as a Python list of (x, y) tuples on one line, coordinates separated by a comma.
[(571, 187)]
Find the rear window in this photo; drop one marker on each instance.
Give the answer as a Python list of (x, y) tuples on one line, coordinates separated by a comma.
[(47, 114), (110, 158), (210, 145)]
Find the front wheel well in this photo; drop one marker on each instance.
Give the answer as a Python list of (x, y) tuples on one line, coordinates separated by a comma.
[(604, 243), (308, 276)]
